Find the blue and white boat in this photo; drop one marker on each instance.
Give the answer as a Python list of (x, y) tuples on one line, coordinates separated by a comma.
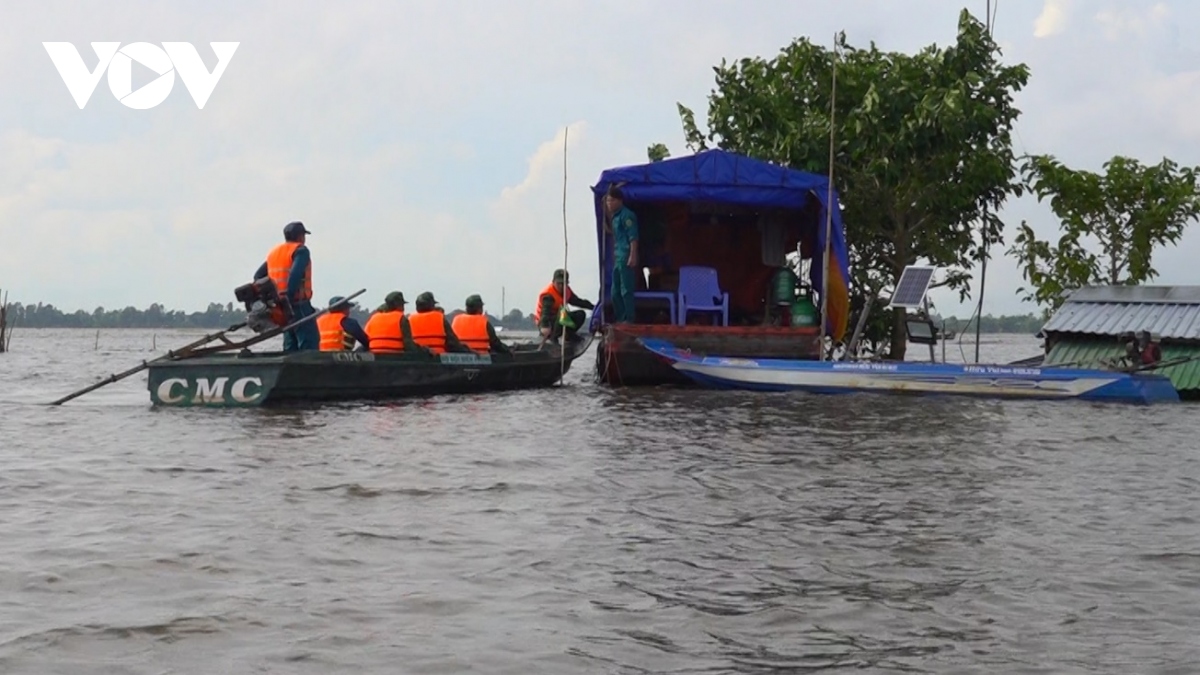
[(899, 377)]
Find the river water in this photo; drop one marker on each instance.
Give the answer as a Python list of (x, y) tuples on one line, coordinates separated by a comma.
[(587, 530)]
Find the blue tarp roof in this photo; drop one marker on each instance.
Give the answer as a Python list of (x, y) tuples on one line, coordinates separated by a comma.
[(727, 178)]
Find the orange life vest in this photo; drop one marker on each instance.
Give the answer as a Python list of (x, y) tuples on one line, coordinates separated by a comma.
[(383, 330), (333, 338), (429, 330), (558, 301), (472, 331), (279, 267)]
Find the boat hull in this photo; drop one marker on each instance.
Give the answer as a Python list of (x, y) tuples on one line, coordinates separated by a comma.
[(623, 361), (273, 378), (980, 380)]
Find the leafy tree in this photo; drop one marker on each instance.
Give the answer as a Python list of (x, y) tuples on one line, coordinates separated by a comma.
[(658, 152), (922, 154), (515, 319), (1128, 211)]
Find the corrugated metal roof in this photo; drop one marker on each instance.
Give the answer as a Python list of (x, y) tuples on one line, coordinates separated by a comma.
[(1170, 295), (1090, 353), (1168, 312)]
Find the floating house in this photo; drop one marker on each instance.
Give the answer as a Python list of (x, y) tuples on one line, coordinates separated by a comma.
[(720, 237), (1086, 330)]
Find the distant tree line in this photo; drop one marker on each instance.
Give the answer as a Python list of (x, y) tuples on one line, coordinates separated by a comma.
[(1019, 323), (157, 316)]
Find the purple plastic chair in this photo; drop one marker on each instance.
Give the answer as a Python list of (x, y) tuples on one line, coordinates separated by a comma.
[(699, 292)]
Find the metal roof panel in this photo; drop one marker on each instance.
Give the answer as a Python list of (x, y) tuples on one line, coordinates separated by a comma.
[(1164, 321)]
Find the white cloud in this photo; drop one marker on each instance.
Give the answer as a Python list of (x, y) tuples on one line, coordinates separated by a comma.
[(1117, 23), (1053, 19), (529, 215)]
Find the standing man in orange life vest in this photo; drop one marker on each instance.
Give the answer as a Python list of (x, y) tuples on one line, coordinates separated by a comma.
[(475, 331), (431, 329), (339, 331), (290, 267)]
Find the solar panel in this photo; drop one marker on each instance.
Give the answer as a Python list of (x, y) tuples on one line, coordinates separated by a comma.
[(910, 290)]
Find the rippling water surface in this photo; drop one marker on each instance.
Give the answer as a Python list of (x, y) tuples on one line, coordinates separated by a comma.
[(581, 529)]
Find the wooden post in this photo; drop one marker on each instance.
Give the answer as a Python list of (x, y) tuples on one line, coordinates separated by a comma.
[(3, 319), (562, 344), (825, 255)]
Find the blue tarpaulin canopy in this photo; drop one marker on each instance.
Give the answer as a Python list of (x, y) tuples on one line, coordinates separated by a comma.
[(727, 178)]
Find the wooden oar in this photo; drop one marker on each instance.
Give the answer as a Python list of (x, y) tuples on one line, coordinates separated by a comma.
[(182, 351), (1165, 364), (193, 350)]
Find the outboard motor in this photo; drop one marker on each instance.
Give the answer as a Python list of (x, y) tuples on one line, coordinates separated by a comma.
[(264, 306)]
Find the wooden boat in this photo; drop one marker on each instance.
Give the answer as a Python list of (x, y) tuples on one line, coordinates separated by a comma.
[(985, 380), (259, 379), (230, 375)]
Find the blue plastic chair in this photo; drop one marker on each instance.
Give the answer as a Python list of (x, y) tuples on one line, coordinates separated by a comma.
[(700, 292)]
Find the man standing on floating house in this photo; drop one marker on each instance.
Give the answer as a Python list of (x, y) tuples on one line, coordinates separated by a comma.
[(624, 227)]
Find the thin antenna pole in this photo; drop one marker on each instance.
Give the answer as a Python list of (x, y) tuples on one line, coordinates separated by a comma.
[(984, 230), (566, 286), (828, 208)]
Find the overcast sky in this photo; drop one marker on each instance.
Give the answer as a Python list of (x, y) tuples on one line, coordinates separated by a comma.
[(422, 142)]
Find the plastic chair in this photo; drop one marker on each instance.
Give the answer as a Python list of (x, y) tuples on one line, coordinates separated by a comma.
[(700, 292)]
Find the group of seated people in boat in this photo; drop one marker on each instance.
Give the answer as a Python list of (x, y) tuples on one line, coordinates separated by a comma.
[(390, 330)]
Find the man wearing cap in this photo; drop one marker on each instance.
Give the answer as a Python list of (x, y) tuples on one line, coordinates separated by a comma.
[(624, 228), (475, 331), (339, 331), (290, 268), (388, 330), (551, 300), (431, 329)]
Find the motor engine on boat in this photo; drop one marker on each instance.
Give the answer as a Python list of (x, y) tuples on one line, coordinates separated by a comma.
[(264, 306)]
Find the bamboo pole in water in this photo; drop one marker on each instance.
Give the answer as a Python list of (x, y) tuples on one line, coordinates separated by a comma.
[(983, 232), (825, 257), (563, 341), (3, 320), (8, 327)]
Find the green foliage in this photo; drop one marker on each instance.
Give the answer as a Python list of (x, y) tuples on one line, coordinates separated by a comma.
[(1127, 212), (922, 150), (658, 152)]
